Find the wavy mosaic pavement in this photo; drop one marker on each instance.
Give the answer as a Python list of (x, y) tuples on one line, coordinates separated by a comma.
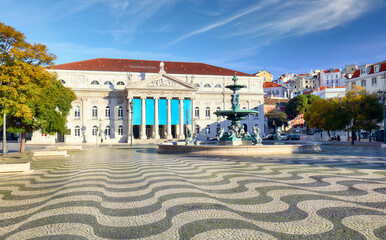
[(135, 193)]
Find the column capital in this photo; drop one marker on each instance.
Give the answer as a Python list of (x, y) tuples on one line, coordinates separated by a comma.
[(142, 97), (169, 98), (156, 98), (181, 98)]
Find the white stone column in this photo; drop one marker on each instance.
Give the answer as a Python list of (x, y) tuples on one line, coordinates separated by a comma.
[(156, 119), (192, 112), (169, 118), (143, 118), (181, 128)]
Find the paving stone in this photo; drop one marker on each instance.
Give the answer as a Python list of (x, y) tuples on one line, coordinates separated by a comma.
[(131, 193)]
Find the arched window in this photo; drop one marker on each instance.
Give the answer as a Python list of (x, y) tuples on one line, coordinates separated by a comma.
[(218, 86), (77, 131), (107, 130), (95, 112), (197, 85), (244, 108), (207, 85), (94, 130), (120, 131), (77, 112), (218, 128), (218, 109), (95, 82), (197, 112), (120, 112), (198, 128), (108, 83), (207, 112), (64, 82), (107, 112), (121, 83), (207, 129)]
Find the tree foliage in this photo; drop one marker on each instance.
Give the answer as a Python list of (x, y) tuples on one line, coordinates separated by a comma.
[(276, 118), (355, 111), (299, 104), (32, 97)]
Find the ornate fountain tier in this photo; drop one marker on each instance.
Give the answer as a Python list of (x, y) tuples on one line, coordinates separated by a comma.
[(236, 135), (236, 115)]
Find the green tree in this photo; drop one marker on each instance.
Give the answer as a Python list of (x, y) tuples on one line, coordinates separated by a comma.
[(276, 118), (357, 110), (299, 104), (32, 98), (363, 110)]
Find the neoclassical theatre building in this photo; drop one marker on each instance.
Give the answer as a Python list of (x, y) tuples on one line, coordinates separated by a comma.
[(150, 100)]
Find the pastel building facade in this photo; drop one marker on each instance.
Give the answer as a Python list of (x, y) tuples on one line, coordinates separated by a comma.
[(372, 77)]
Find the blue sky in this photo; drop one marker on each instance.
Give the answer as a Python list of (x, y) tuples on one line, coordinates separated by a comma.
[(280, 36)]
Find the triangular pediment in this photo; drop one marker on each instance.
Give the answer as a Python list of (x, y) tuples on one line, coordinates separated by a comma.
[(162, 81)]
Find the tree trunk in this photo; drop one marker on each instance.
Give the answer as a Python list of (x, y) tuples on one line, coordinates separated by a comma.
[(22, 143), (370, 135), (352, 137)]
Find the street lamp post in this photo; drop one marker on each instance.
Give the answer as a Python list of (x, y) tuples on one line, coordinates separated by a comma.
[(4, 132), (383, 97), (100, 129)]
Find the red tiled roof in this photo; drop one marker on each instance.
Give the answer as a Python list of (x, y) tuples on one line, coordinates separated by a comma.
[(329, 71), (356, 73), (130, 65), (271, 85), (303, 74), (381, 69), (322, 88)]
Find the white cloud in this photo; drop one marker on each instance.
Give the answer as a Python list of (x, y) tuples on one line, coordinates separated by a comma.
[(224, 21), (280, 18)]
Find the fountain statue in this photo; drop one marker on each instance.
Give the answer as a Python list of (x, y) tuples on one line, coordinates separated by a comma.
[(236, 135), (190, 139)]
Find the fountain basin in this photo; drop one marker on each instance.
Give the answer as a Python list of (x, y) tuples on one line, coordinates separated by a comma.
[(239, 150)]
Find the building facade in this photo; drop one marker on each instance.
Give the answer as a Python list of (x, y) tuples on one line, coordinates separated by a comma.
[(272, 89), (330, 92), (118, 99), (372, 77), (268, 77)]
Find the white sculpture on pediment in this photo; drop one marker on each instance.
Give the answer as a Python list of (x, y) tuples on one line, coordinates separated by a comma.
[(162, 67)]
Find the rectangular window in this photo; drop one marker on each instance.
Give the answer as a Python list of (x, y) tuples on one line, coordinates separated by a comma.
[(363, 70), (120, 112), (77, 112), (374, 81), (94, 131), (376, 68), (363, 83)]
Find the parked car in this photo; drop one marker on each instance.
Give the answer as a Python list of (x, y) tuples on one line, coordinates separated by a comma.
[(269, 137), (285, 136), (294, 136)]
